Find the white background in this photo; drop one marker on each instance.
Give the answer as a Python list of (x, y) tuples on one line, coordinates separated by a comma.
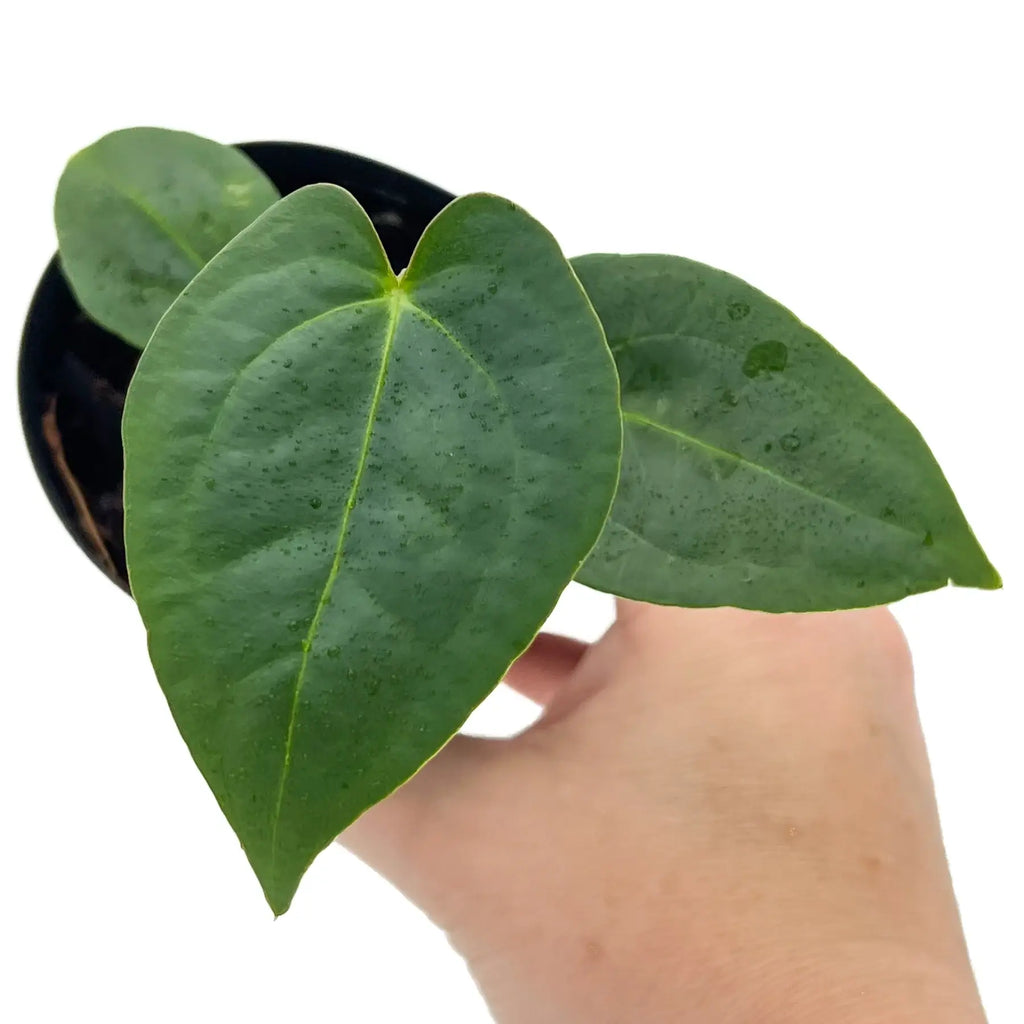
[(858, 162)]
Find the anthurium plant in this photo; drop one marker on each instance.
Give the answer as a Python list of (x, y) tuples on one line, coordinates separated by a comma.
[(354, 492)]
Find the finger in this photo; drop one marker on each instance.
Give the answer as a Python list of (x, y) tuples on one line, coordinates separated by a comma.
[(541, 670), (629, 611)]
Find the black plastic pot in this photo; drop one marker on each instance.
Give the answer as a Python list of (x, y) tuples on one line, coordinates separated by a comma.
[(73, 375)]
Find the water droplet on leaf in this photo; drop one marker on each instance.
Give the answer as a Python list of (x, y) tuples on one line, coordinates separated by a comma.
[(765, 357)]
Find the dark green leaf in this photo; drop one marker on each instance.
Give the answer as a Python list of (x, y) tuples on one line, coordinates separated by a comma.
[(760, 468), (352, 500), (141, 211)]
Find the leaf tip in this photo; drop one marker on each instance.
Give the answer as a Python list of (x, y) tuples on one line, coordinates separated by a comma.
[(992, 579), (982, 575), (278, 893)]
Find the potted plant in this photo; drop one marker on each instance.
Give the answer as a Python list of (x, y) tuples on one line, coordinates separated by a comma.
[(367, 446)]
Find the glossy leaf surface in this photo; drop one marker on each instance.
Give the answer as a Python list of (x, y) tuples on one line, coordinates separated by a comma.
[(141, 211), (760, 468), (352, 500)]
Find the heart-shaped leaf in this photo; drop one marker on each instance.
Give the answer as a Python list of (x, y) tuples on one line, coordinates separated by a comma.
[(760, 468), (352, 499), (141, 211)]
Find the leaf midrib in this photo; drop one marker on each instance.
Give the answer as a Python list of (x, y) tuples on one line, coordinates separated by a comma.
[(335, 569), (679, 435)]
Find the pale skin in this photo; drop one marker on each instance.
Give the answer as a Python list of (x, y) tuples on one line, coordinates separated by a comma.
[(721, 817)]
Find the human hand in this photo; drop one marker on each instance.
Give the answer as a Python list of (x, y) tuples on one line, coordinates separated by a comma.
[(721, 817)]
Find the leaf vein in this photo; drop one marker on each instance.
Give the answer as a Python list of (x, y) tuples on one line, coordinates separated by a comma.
[(158, 220), (461, 349), (201, 462), (643, 421)]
